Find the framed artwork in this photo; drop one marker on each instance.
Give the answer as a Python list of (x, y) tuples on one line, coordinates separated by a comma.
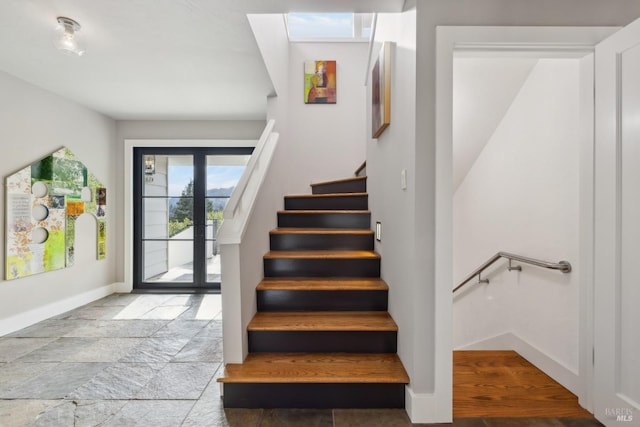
[(320, 82), (381, 91)]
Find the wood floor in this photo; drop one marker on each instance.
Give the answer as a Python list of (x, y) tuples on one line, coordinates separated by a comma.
[(504, 384)]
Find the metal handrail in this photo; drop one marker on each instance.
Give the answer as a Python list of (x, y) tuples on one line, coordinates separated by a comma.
[(563, 266)]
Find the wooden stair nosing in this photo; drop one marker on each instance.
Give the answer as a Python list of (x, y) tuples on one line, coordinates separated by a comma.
[(319, 284), (320, 255), (323, 321), (317, 368), (339, 181)]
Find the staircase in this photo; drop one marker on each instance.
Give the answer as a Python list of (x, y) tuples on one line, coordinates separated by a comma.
[(322, 337)]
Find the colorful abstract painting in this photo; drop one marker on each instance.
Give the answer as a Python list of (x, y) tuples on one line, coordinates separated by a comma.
[(320, 82), (44, 201)]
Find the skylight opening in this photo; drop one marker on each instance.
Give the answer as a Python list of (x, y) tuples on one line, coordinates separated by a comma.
[(319, 26)]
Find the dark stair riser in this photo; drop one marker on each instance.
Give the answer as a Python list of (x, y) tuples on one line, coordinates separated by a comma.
[(302, 300), (322, 341), (350, 186), (324, 220), (327, 242), (328, 203), (317, 396), (341, 267)]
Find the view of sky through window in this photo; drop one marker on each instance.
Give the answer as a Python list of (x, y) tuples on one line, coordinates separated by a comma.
[(217, 177), (320, 25)]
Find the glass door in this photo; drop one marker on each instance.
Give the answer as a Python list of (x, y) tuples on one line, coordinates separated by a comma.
[(179, 196)]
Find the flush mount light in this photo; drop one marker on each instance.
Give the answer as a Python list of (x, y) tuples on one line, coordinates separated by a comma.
[(67, 37)]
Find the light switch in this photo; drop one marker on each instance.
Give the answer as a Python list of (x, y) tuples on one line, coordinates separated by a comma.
[(378, 231), (403, 179)]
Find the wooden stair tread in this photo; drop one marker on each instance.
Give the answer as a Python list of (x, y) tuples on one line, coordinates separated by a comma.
[(301, 230), (320, 196), (317, 368), (338, 181), (328, 284), (325, 211), (321, 255), (322, 321)]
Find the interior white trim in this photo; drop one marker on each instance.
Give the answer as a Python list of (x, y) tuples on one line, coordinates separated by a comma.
[(570, 40), (28, 318), (426, 407), (129, 145), (525, 50)]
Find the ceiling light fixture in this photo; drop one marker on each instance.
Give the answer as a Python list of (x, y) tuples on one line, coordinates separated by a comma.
[(67, 39)]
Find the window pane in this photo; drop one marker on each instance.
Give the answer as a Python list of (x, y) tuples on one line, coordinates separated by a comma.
[(168, 261), (180, 175), (223, 174), (156, 214), (167, 175), (181, 218), (320, 25)]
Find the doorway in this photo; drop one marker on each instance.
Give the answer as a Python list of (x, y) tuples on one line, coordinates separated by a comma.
[(529, 40), (516, 138), (179, 194)]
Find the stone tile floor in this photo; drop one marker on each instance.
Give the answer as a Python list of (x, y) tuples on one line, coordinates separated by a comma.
[(152, 360)]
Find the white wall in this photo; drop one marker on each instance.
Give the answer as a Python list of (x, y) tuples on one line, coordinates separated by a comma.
[(326, 141), (34, 123), (522, 196), (390, 204)]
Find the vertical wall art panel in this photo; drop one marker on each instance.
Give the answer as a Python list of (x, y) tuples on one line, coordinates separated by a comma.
[(43, 203), (320, 82)]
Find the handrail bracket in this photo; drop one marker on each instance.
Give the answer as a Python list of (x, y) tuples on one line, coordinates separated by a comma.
[(514, 267), (481, 280)]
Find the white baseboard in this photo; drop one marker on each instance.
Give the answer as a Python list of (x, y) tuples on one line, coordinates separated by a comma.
[(427, 408), (28, 318), (510, 341), (122, 288)]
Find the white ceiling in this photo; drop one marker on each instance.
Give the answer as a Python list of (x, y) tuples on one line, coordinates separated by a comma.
[(483, 90), (154, 59)]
